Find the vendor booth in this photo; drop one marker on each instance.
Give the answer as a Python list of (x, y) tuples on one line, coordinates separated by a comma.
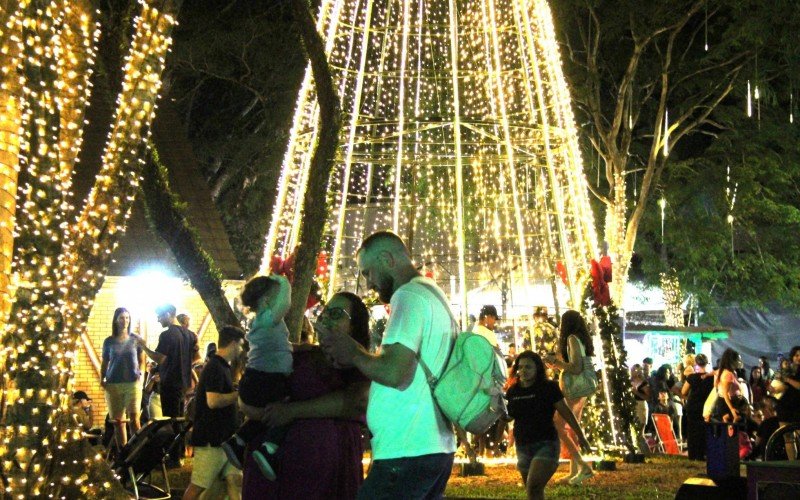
[(663, 343)]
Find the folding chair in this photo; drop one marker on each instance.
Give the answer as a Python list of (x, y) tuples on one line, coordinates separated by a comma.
[(666, 437)]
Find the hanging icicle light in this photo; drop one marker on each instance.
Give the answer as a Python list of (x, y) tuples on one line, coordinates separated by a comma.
[(749, 101), (758, 103), (791, 108), (663, 204), (730, 196), (666, 132), (706, 29)]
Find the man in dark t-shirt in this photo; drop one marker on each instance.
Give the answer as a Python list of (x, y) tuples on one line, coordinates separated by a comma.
[(215, 418), (176, 351)]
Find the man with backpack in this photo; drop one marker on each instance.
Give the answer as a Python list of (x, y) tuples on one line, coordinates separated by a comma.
[(412, 443)]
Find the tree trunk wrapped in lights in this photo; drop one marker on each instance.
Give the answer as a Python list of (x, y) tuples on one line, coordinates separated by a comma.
[(671, 288), (59, 268), (457, 135), (10, 90)]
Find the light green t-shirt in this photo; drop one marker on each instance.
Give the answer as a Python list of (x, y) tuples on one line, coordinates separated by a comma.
[(405, 423)]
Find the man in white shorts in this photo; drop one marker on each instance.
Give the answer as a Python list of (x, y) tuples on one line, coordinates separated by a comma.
[(215, 419)]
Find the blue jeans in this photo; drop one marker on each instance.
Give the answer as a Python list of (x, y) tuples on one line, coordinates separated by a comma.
[(423, 477)]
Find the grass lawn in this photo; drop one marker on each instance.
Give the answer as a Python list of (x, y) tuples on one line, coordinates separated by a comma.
[(660, 477)]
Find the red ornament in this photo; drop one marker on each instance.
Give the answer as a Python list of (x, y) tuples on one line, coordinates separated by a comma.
[(322, 264), (605, 265)]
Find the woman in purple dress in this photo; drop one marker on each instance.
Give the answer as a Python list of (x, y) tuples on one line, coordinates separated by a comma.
[(320, 457)]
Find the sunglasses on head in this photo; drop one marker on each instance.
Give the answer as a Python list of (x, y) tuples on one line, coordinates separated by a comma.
[(335, 313)]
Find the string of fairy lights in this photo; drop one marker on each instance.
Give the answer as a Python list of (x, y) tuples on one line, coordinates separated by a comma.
[(58, 267), (10, 53), (458, 135)]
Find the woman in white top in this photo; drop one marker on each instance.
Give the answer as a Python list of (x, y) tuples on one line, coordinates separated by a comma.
[(575, 344)]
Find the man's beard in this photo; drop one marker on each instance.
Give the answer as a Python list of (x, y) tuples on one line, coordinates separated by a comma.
[(386, 290)]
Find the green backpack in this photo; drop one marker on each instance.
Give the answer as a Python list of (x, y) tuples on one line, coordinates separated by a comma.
[(469, 391)]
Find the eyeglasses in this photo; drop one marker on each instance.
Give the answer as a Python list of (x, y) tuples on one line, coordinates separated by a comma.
[(334, 313)]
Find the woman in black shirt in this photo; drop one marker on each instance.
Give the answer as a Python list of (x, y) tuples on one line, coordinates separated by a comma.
[(696, 390), (532, 402)]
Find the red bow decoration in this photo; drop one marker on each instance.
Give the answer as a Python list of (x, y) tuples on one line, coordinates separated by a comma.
[(282, 266), (285, 267), (600, 291), (562, 271)]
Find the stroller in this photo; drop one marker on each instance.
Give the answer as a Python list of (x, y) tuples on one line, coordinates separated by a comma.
[(146, 450)]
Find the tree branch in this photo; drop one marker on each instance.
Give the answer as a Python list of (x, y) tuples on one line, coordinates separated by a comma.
[(314, 204)]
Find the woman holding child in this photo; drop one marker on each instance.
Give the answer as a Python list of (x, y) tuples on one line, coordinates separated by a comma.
[(731, 403), (320, 456)]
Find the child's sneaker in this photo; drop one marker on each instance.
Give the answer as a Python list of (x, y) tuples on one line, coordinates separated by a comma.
[(234, 449), (262, 456)]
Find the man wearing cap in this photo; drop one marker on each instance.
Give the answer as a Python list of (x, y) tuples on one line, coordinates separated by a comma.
[(81, 411), (489, 442), (486, 324)]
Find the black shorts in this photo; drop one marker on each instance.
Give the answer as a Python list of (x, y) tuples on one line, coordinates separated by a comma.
[(259, 388)]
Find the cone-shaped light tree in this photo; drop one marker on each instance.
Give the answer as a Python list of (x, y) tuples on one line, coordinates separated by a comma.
[(457, 134)]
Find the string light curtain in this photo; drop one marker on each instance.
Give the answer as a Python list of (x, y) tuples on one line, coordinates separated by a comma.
[(458, 135)]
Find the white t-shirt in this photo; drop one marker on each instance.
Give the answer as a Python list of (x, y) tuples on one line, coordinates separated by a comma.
[(485, 333), (405, 423)]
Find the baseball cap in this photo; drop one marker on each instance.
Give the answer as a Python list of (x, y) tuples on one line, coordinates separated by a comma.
[(649, 361), (81, 395)]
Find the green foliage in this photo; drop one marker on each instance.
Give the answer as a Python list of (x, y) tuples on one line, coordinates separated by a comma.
[(748, 40), (166, 214), (619, 379), (755, 260)]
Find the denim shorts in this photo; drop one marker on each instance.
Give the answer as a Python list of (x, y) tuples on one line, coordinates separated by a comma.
[(538, 450)]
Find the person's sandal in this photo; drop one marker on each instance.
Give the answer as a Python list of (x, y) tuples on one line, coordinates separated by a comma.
[(234, 450), (581, 477), (262, 457)]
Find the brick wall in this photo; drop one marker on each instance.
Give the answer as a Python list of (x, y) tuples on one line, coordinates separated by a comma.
[(140, 295)]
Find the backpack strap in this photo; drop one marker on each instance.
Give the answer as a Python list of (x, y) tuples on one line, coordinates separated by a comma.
[(432, 380)]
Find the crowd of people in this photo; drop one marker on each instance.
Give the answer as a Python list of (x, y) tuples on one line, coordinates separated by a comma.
[(259, 423), (760, 400)]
